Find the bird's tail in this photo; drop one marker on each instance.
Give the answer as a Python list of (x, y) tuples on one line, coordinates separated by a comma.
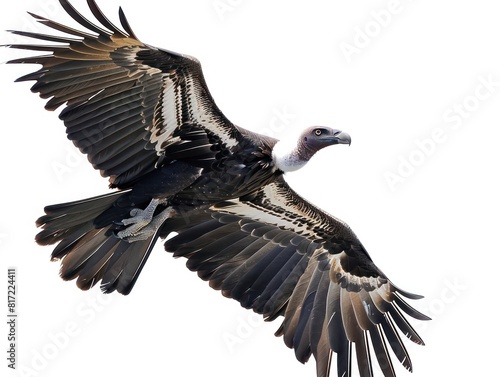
[(91, 252)]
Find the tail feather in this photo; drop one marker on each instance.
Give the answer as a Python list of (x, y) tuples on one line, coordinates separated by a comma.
[(126, 264), (91, 246), (79, 206), (91, 253), (52, 235), (62, 220), (68, 243)]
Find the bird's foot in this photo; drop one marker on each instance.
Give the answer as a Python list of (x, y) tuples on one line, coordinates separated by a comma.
[(142, 222)]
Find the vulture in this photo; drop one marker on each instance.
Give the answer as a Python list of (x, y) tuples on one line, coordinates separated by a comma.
[(215, 191)]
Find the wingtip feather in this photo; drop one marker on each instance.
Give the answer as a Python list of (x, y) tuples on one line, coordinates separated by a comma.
[(125, 23)]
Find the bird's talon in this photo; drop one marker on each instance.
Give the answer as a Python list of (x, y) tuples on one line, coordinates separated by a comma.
[(135, 211)]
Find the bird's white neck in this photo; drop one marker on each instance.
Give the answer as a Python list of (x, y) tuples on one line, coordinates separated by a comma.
[(287, 155)]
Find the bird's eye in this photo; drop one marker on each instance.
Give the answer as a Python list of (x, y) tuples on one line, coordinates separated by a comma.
[(317, 132)]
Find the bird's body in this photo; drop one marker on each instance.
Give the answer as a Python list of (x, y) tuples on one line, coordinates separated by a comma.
[(145, 119)]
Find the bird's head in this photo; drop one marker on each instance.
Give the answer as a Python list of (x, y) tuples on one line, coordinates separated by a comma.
[(315, 138), (292, 153)]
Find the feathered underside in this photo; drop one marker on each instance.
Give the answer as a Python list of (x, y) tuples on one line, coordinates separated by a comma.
[(134, 109)]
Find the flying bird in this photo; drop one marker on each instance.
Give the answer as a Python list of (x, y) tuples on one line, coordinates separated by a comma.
[(145, 118)]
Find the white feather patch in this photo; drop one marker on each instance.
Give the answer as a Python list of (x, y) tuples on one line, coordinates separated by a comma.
[(170, 113), (278, 217), (205, 116)]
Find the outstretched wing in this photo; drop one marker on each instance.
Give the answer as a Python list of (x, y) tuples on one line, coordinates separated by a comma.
[(279, 255), (124, 100)]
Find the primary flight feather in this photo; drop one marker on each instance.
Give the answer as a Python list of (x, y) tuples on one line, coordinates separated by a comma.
[(145, 118)]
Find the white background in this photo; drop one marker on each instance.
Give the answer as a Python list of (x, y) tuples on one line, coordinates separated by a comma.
[(434, 231)]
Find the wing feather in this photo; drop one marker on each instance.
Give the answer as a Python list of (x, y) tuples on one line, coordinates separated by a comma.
[(96, 11), (107, 81), (311, 269), (382, 352)]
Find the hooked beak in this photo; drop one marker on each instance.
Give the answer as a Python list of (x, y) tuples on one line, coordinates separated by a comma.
[(341, 138)]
